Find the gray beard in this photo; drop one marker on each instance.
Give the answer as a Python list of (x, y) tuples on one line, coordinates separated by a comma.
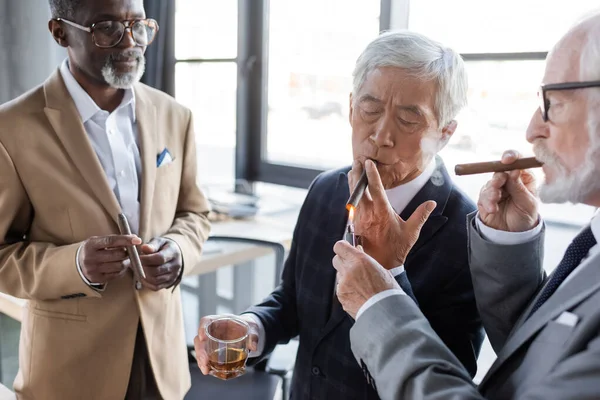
[(576, 186), (123, 80)]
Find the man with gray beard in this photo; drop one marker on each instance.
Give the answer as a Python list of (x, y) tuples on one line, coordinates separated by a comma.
[(545, 330), (89, 144)]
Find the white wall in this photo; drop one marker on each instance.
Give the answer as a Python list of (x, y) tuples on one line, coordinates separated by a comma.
[(28, 54)]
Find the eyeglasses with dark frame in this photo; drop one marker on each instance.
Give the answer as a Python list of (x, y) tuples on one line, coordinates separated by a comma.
[(545, 104), (107, 34)]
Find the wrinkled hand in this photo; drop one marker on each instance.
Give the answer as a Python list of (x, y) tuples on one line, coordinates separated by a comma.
[(359, 276), (104, 258), (201, 340), (385, 236), (162, 262), (508, 201)]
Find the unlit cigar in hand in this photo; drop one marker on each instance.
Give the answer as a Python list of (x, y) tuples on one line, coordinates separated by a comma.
[(134, 256), (496, 166)]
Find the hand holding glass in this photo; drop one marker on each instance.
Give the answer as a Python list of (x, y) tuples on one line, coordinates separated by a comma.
[(227, 346)]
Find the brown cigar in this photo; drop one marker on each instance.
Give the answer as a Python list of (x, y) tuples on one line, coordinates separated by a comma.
[(134, 256), (359, 190), (496, 166)]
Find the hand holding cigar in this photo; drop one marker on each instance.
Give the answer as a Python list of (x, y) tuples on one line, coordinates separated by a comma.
[(508, 202), (134, 256), (496, 166)]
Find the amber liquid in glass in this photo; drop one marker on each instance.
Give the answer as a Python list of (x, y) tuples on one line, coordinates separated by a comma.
[(227, 360)]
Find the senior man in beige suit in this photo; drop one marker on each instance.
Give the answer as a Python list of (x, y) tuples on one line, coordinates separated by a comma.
[(88, 144)]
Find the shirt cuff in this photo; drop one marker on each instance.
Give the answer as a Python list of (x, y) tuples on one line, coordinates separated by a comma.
[(249, 317), (96, 286), (397, 271), (378, 297), (180, 273), (504, 237)]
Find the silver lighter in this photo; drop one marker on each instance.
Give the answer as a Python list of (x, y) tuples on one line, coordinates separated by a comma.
[(349, 235)]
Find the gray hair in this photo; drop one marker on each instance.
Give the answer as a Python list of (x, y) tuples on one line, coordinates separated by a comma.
[(425, 59), (63, 8)]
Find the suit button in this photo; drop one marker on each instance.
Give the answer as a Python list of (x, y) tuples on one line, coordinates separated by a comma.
[(316, 371)]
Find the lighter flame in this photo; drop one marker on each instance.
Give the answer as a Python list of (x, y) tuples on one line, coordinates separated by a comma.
[(350, 214)]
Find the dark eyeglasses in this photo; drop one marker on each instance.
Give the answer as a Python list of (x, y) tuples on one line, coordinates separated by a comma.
[(106, 34), (545, 103)]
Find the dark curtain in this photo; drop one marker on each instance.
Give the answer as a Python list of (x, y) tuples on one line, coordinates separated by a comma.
[(160, 55)]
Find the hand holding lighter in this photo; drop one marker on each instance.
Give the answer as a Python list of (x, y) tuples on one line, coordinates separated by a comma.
[(134, 256), (349, 235)]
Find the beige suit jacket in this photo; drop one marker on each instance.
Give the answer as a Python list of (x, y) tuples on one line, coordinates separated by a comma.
[(77, 343)]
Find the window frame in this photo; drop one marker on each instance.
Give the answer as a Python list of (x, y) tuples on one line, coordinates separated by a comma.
[(251, 163)]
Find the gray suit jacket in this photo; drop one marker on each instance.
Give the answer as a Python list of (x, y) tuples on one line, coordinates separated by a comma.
[(538, 358)]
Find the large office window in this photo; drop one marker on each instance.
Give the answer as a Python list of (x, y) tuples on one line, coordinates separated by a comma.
[(206, 40), (268, 81), (313, 45)]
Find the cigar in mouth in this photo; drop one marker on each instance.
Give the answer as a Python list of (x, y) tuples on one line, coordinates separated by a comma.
[(496, 166), (359, 190)]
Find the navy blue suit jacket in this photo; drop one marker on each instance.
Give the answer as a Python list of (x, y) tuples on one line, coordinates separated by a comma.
[(301, 305)]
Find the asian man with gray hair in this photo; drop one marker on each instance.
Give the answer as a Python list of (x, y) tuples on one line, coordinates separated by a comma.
[(407, 92), (545, 330)]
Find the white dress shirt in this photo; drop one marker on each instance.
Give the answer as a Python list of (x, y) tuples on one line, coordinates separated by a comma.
[(399, 197), (114, 139)]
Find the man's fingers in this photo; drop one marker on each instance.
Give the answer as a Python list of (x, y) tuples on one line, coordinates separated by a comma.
[(489, 199), (344, 249), (376, 189), (338, 264), (515, 185), (493, 192), (498, 180), (113, 267), (157, 259), (201, 356), (161, 280), (510, 156), (110, 255), (528, 180), (147, 249), (111, 241), (115, 275), (367, 195), (418, 218), (161, 270), (154, 245), (253, 342)]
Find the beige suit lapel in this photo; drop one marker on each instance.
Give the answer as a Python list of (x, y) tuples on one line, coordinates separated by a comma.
[(147, 131), (64, 118), (580, 287)]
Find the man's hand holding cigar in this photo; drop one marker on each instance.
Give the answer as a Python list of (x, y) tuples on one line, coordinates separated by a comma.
[(508, 201), (104, 258)]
